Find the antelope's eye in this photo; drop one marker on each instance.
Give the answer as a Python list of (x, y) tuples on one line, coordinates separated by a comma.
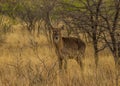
[(56, 37)]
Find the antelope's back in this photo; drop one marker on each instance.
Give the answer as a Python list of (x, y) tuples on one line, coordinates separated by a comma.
[(73, 45)]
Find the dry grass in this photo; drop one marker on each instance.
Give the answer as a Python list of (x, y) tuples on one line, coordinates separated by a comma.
[(27, 61)]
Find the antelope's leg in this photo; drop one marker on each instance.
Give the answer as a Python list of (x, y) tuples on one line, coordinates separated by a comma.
[(60, 63), (65, 65), (80, 62)]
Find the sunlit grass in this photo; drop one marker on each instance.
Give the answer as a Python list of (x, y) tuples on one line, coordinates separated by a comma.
[(27, 61)]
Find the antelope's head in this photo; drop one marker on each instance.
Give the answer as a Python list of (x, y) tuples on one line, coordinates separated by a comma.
[(57, 35)]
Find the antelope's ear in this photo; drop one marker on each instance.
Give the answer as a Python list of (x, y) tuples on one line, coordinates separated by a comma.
[(52, 29), (63, 27)]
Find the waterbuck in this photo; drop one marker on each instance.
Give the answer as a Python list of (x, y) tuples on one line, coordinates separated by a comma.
[(68, 48)]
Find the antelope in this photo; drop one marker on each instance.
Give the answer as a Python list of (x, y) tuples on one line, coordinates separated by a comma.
[(67, 48)]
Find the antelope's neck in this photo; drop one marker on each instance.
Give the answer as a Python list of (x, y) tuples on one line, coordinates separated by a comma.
[(59, 45)]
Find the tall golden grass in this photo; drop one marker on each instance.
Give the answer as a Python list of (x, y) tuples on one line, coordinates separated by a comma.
[(27, 60)]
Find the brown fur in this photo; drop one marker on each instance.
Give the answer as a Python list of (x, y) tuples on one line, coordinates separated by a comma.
[(68, 48)]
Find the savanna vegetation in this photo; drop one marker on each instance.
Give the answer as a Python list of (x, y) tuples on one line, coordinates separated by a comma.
[(27, 54)]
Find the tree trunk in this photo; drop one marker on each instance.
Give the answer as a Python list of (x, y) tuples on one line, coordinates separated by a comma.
[(96, 54), (95, 45)]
